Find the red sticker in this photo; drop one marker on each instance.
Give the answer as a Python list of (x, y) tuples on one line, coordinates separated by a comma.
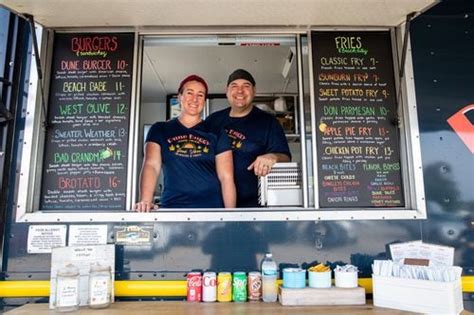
[(463, 127)]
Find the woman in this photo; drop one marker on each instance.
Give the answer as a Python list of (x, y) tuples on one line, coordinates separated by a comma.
[(197, 164)]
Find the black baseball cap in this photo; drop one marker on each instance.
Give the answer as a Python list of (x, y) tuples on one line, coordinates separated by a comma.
[(240, 74)]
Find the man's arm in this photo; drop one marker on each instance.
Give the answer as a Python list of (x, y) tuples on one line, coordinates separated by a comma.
[(151, 169), (264, 163)]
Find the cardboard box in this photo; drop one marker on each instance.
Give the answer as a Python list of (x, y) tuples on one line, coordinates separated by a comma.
[(422, 296)]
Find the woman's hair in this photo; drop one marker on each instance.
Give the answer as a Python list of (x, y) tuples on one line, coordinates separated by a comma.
[(192, 77)]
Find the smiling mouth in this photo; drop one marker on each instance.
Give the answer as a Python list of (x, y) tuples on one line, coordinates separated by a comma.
[(240, 98)]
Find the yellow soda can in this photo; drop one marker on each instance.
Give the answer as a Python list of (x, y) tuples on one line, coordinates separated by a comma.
[(224, 287)]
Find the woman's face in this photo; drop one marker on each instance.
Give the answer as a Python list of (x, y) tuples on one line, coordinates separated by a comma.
[(192, 98)]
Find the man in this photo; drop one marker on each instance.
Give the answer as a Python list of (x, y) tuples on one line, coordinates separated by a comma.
[(258, 140)]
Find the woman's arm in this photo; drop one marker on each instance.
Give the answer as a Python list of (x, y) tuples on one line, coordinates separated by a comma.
[(225, 172), (151, 168)]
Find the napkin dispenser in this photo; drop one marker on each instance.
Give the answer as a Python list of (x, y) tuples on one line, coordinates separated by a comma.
[(282, 186)]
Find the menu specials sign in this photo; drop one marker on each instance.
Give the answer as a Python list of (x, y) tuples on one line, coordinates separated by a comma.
[(358, 139), (86, 148)]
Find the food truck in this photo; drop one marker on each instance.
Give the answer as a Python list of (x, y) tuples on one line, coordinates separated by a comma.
[(375, 99)]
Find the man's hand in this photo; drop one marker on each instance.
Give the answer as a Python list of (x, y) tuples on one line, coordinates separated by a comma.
[(263, 164), (144, 206)]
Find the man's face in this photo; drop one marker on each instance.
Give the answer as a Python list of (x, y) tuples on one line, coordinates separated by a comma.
[(240, 94)]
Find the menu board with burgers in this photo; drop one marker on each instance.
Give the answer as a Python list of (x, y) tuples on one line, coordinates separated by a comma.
[(86, 147)]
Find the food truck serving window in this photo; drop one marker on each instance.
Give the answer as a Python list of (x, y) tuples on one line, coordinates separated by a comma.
[(349, 118)]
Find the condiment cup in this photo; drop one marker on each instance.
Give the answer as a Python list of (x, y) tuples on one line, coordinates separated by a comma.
[(319, 279), (294, 278), (345, 279)]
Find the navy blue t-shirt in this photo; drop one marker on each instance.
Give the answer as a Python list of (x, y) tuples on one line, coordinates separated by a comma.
[(188, 164), (251, 136)]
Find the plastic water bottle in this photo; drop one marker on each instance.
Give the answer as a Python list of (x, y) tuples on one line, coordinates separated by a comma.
[(269, 278)]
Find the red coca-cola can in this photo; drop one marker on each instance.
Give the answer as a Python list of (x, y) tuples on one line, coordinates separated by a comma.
[(254, 283), (194, 291), (209, 287)]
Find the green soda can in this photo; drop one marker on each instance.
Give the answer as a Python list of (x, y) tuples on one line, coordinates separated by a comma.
[(239, 287)]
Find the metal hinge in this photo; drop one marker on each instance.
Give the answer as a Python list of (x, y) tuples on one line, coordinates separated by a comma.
[(5, 81), (5, 113)]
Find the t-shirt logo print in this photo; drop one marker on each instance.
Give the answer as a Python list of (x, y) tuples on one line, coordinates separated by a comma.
[(237, 138), (188, 145)]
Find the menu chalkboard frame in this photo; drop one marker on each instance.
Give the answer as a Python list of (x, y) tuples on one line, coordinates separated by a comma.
[(87, 134), (357, 136), (412, 186), (28, 212)]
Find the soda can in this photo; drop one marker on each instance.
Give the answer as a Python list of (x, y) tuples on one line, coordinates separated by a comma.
[(254, 283), (239, 287), (224, 287), (193, 280), (209, 287)]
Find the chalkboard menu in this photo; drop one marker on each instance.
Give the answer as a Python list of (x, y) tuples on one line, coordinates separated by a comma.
[(356, 118), (86, 149)]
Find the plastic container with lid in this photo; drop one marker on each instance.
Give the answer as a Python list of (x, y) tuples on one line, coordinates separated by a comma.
[(67, 289), (100, 286)]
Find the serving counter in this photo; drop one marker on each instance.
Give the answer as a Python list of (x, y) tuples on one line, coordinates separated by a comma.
[(181, 307)]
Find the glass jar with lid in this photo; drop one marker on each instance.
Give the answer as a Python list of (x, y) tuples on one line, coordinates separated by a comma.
[(67, 289), (100, 286)]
